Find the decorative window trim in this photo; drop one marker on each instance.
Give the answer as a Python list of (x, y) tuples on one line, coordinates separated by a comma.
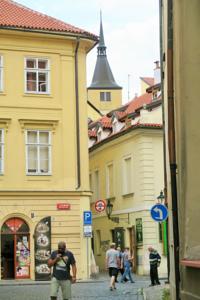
[(127, 192), (37, 70), (1, 73), (4, 123), (38, 124), (108, 195), (2, 145), (38, 145), (96, 187)]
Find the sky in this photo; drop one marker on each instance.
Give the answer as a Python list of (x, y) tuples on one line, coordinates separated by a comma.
[(131, 34)]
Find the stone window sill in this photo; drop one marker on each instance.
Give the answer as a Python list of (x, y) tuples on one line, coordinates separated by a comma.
[(190, 263)]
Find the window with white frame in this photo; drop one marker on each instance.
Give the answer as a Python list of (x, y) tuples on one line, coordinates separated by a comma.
[(37, 75), (1, 73), (38, 152), (96, 185), (127, 175), (109, 180), (105, 96), (1, 151)]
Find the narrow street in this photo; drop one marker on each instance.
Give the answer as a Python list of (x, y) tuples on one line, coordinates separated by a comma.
[(96, 289)]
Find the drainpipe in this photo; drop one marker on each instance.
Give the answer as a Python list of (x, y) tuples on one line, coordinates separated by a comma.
[(164, 136), (172, 149), (77, 117)]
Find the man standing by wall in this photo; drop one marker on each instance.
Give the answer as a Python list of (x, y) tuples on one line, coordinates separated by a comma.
[(154, 260), (112, 264), (61, 260)]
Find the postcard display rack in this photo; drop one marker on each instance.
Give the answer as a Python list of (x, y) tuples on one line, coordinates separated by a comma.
[(42, 249)]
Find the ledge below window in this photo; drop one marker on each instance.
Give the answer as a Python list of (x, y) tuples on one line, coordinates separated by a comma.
[(190, 263)]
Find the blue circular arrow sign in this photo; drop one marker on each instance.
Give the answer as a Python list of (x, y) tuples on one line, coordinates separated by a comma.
[(159, 212)]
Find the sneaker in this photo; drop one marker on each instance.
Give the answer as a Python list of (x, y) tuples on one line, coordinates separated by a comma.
[(151, 284), (132, 281), (111, 289), (158, 283), (115, 288)]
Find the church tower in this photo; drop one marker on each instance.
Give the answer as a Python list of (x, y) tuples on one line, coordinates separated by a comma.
[(104, 94)]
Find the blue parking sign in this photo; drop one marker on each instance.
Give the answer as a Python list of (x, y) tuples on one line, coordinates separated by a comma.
[(159, 212), (87, 217)]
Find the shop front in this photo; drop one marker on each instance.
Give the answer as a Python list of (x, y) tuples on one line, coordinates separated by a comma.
[(15, 249)]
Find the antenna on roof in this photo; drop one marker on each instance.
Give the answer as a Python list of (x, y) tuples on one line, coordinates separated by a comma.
[(129, 86)]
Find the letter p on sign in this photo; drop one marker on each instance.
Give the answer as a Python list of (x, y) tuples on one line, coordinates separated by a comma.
[(87, 218)]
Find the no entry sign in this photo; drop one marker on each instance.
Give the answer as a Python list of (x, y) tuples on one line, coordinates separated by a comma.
[(100, 205)]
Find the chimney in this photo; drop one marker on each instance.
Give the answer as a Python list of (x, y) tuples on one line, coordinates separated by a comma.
[(157, 72)]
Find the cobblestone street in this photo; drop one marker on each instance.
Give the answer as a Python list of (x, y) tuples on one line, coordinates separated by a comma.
[(96, 289)]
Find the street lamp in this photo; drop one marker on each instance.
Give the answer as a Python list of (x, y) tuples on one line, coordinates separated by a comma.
[(109, 208), (161, 197)]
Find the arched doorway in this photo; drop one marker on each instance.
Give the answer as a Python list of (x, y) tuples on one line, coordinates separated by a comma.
[(15, 253)]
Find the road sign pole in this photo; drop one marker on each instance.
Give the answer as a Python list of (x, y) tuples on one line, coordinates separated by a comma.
[(87, 243)]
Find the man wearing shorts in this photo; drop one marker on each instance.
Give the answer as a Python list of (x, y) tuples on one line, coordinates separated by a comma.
[(61, 260), (112, 264)]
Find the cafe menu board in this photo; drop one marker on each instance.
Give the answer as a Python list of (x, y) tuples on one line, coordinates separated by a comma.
[(42, 249)]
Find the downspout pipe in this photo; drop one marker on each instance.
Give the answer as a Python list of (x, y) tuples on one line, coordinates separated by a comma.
[(162, 58), (77, 117), (172, 145)]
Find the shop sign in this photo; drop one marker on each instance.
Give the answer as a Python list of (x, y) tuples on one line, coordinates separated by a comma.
[(119, 237), (63, 206), (139, 231), (42, 249)]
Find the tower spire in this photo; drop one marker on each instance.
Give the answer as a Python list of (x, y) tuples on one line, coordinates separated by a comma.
[(102, 77), (101, 49)]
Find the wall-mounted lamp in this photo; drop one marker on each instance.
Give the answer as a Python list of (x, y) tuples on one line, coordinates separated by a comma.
[(109, 208), (161, 197)]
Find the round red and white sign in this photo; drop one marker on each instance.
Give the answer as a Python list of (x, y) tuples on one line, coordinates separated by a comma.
[(100, 205)]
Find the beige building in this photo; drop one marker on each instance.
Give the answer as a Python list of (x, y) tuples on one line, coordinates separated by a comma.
[(180, 22), (44, 182), (126, 172)]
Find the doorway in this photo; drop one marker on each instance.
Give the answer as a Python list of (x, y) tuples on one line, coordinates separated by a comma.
[(15, 253)]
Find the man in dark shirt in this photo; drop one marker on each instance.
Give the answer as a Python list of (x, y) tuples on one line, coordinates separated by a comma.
[(61, 260), (154, 260)]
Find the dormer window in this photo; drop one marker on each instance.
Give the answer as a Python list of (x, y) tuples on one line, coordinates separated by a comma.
[(105, 96), (99, 132)]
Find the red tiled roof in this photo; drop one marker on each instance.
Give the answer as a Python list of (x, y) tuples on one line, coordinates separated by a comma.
[(148, 80), (124, 130), (137, 103), (14, 15), (106, 122), (92, 133)]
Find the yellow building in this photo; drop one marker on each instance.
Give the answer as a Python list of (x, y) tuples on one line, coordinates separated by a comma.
[(44, 182), (126, 172), (104, 94), (180, 22)]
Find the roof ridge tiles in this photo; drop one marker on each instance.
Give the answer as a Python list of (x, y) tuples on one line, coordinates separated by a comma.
[(39, 24)]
